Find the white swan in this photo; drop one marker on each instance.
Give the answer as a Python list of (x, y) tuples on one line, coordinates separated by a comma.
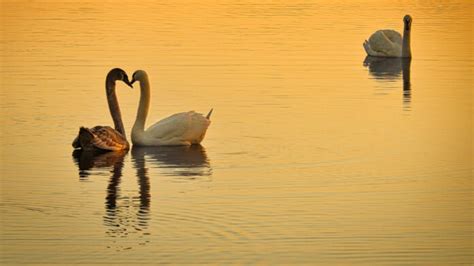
[(389, 43), (104, 137), (179, 129)]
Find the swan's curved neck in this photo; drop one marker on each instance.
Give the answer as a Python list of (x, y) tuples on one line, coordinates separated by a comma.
[(406, 50), (143, 106), (114, 105)]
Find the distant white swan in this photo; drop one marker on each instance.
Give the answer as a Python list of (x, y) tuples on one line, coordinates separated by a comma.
[(104, 137), (179, 129), (389, 43)]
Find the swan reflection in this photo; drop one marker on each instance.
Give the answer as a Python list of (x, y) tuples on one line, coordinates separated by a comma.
[(89, 160), (185, 162), (128, 216), (125, 216), (390, 69)]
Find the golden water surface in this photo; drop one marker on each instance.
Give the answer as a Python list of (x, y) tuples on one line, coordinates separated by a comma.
[(314, 154)]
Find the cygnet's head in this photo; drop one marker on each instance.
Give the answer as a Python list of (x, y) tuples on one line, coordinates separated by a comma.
[(407, 21), (139, 75)]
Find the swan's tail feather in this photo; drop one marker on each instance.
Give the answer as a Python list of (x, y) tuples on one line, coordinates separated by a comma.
[(75, 143), (85, 137), (208, 116), (366, 47)]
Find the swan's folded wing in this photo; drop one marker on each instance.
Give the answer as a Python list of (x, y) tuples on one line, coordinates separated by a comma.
[(107, 138), (386, 42), (186, 126), (393, 36)]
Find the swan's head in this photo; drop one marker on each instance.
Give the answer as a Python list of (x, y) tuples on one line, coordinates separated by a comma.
[(119, 74), (138, 75), (407, 21)]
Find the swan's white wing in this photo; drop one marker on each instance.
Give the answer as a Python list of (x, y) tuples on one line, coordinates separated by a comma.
[(179, 129), (393, 36), (386, 43)]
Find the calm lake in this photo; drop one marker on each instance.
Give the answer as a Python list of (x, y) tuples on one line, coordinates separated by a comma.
[(315, 154)]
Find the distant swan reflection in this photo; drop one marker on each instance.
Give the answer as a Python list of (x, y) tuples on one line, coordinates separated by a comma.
[(186, 162), (383, 69)]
